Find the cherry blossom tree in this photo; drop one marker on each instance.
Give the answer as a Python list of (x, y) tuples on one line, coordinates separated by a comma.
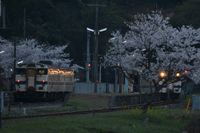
[(152, 45), (30, 50)]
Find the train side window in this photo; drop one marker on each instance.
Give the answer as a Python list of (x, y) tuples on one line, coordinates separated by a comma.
[(21, 71), (42, 71)]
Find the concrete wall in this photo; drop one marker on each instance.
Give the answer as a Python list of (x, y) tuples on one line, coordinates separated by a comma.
[(1, 100), (195, 102), (89, 88), (130, 100)]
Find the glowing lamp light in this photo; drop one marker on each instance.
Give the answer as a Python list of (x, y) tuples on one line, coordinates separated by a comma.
[(178, 74), (186, 71), (162, 74), (89, 65), (43, 81), (18, 81)]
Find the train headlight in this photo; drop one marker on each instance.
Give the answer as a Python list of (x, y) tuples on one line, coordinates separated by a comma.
[(18, 81), (162, 74), (43, 82), (178, 75)]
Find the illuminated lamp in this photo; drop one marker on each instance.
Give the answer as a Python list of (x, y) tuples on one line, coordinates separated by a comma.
[(162, 74), (178, 74)]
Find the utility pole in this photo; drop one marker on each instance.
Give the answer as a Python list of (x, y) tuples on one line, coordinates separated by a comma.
[(14, 71), (0, 86), (100, 78), (24, 23), (96, 46), (4, 17), (1, 105), (88, 57), (0, 14), (116, 79), (107, 79), (121, 82)]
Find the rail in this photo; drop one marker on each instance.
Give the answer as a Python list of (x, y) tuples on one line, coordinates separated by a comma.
[(93, 111)]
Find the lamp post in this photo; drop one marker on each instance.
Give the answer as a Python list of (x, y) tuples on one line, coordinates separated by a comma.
[(96, 32), (88, 55), (96, 57)]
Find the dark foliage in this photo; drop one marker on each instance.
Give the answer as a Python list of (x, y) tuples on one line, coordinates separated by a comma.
[(61, 22), (187, 14)]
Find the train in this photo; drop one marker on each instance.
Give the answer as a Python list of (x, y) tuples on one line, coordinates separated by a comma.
[(172, 91), (42, 81)]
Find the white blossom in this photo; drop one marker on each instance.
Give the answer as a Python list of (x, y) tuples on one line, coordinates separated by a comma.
[(30, 50), (152, 46)]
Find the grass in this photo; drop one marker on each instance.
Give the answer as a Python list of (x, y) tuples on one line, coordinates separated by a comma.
[(185, 97), (75, 103), (160, 121)]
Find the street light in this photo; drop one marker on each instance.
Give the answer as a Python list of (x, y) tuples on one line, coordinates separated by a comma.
[(20, 62), (143, 50), (102, 30), (96, 33), (90, 29), (112, 38)]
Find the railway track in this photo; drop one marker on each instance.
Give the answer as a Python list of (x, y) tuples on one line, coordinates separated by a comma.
[(92, 111), (33, 104)]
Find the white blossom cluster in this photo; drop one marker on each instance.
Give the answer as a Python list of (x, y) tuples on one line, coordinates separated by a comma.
[(152, 45), (30, 50)]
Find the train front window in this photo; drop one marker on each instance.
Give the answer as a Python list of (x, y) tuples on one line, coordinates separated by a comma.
[(42, 71), (20, 71), (31, 72)]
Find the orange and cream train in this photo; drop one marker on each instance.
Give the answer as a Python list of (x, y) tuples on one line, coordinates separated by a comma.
[(42, 81)]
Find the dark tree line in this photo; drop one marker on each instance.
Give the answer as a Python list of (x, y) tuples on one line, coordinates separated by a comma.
[(61, 22)]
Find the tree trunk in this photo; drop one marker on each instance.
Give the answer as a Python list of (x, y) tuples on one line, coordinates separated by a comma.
[(145, 108)]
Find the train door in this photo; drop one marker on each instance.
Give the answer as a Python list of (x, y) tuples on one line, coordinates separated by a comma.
[(31, 79)]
